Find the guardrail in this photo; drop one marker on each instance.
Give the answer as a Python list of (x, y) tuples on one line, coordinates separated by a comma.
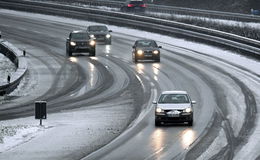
[(16, 56), (169, 10)]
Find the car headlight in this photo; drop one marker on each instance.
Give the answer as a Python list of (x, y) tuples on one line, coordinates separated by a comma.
[(92, 43), (188, 110), (159, 110), (140, 52), (108, 36), (155, 52), (92, 36), (73, 43)]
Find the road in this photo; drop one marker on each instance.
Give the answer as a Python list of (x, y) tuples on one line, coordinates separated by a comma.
[(112, 78)]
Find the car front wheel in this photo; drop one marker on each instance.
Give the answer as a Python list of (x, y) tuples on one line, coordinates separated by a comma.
[(69, 53), (157, 123), (190, 123), (92, 53)]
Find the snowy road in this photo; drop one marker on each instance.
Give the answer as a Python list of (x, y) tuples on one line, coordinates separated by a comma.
[(107, 92)]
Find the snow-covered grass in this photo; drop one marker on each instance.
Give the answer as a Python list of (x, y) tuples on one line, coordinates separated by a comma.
[(13, 135), (246, 29), (6, 68)]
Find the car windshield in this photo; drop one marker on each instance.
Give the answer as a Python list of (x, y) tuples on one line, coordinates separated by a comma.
[(79, 36), (146, 44), (97, 28), (174, 98)]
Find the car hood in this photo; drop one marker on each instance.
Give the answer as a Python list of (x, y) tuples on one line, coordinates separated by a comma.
[(170, 106)]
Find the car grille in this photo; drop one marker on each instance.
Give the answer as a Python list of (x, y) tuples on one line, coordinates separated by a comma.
[(148, 53), (82, 44), (99, 36), (180, 110)]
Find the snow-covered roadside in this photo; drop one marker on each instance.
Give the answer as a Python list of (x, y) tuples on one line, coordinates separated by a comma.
[(250, 64), (211, 20), (13, 135), (66, 135), (6, 68)]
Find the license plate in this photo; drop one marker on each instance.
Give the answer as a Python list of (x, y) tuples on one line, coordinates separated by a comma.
[(173, 114)]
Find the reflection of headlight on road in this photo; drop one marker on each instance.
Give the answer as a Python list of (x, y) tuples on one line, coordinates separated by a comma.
[(140, 52), (73, 43), (188, 110), (92, 36), (92, 43), (108, 36), (159, 110), (155, 52)]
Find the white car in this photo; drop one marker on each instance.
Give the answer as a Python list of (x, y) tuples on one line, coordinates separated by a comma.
[(174, 107)]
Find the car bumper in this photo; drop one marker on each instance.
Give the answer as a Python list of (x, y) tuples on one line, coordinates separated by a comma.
[(82, 49), (174, 119), (148, 57)]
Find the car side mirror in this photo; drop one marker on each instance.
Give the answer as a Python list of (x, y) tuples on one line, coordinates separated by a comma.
[(154, 102), (160, 47), (110, 31), (67, 39), (193, 102)]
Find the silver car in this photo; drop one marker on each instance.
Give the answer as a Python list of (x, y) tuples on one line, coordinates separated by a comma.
[(174, 107), (100, 33)]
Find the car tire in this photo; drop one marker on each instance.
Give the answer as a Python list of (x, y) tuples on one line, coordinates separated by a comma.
[(190, 123), (92, 53), (135, 60), (109, 42), (69, 53), (157, 123)]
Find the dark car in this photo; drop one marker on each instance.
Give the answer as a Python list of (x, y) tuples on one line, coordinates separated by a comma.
[(80, 41), (255, 12), (146, 49), (100, 33), (133, 6), (174, 107)]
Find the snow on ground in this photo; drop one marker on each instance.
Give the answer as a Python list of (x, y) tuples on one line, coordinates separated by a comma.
[(6, 68), (13, 135), (211, 20), (59, 125), (216, 146)]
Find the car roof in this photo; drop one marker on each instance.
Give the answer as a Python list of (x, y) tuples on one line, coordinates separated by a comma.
[(174, 92)]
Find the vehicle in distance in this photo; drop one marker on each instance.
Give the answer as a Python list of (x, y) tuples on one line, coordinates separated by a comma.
[(146, 49), (100, 33), (255, 11), (80, 41), (133, 6), (174, 107)]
